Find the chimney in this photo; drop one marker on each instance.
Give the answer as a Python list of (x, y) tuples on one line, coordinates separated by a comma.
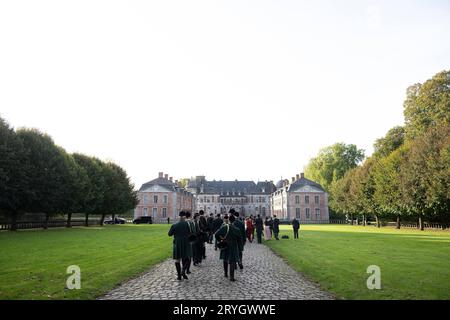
[(302, 174), (293, 179), (166, 176), (160, 175), (297, 176)]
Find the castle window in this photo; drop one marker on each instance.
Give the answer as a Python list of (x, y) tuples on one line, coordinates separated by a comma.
[(306, 199), (165, 198), (297, 199), (318, 214), (155, 199), (297, 213), (145, 212), (164, 213), (316, 199), (307, 214)]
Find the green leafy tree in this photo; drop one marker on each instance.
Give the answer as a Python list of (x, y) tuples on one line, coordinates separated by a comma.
[(427, 104), (93, 200), (426, 175), (393, 140), (49, 179), (14, 170), (332, 163)]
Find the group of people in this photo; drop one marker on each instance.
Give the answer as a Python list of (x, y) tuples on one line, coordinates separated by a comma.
[(229, 233)]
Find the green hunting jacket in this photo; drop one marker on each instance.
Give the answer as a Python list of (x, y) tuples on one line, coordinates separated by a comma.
[(231, 253), (180, 232), (241, 226)]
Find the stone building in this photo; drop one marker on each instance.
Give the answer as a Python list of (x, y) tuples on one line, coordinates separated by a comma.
[(301, 198), (246, 197), (163, 198)]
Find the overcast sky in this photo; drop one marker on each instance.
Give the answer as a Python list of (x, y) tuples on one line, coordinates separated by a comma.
[(229, 89)]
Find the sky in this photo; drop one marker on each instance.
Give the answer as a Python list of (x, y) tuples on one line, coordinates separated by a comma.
[(247, 90)]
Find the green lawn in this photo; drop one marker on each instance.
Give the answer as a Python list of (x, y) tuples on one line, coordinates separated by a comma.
[(414, 264), (33, 263)]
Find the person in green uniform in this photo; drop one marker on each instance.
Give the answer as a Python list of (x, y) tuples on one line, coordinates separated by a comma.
[(180, 232), (241, 226), (232, 236), (187, 262)]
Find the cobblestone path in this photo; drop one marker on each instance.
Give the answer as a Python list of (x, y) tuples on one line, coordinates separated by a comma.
[(265, 276)]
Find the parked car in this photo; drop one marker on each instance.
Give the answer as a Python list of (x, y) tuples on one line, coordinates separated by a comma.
[(140, 220), (116, 220)]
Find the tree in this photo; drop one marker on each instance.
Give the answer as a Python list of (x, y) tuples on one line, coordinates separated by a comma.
[(95, 190), (393, 140), (13, 173), (389, 193), (48, 175), (427, 105), (332, 163), (426, 175)]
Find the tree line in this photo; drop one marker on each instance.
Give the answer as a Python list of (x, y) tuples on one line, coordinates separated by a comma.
[(37, 176), (408, 175)]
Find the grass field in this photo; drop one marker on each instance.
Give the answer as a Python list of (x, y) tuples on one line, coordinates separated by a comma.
[(33, 263), (414, 264)]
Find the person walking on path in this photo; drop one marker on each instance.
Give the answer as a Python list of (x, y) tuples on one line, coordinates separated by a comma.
[(197, 245), (188, 260), (250, 229), (267, 232), (276, 227), (229, 236), (217, 223), (203, 233), (295, 226), (241, 226), (210, 221), (259, 228), (180, 232)]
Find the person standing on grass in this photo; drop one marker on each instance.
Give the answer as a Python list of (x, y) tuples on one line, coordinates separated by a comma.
[(180, 232), (259, 228), (230, 254), (276, 227), (295, 226)]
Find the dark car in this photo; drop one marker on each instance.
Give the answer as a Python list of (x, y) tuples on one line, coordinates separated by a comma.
[(116, 220), (147, 220)]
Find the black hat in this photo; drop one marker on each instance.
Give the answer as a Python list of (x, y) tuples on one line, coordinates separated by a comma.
[(188, 214), (235, 213), (231, 211), (201, 212), (225, 216), (182, 213), (232, 218)]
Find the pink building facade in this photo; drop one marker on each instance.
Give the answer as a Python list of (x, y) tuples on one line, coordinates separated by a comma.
[(301, 198), (163, 198)]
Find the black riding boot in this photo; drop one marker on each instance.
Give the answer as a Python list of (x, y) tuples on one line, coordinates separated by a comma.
[(188, 269), (232, 268), (225, 268), (178, 266), (183, 272)]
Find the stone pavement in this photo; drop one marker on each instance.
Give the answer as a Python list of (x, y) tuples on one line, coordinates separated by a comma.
[(265, 276)]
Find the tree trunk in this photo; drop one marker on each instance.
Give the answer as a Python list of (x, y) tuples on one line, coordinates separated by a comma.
[(47, 217), (364, 220), (421, 227), (69, 220), (86, 222), (378, 221), (398, 221), (102, 219), (113, 216), (14, 215), (351, 217)]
